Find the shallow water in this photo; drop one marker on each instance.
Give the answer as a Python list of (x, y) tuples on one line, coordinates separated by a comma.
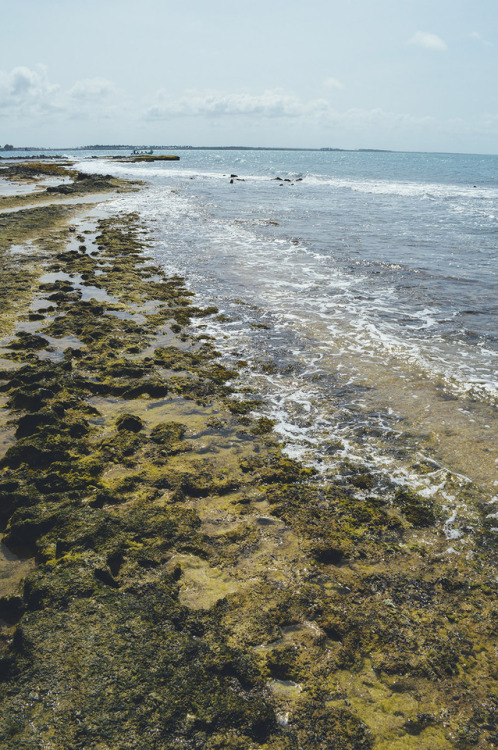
[(12, 571), (374, 276)]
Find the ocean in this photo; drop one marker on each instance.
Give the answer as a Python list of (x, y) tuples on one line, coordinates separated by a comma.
[(360, 289)]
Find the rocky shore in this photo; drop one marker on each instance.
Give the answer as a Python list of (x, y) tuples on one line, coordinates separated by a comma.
[(171, 579)]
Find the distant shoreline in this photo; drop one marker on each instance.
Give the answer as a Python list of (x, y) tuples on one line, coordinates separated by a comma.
[(197, 148)]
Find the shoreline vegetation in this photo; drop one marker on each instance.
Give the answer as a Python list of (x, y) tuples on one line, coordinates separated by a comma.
[(169, 578)]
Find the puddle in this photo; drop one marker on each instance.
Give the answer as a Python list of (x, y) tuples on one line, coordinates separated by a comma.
[(25, 249), (51, 278), (55, 199), (201, 585), (153, 412), (59, 347), (386, 710), (12, 571), (87, 291), (29, 326), (122, 315), (7, 432), (12, 189), (285, 689), (8, 364), (35, 184)]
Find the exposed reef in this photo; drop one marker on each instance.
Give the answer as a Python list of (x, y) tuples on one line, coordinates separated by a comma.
[(187, 585), (39, 177), (148, 157)]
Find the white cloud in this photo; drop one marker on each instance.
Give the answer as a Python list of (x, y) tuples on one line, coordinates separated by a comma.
[(478, 38), (92, 89), (27, 94), (26, 89), (222, 107), (428, 41), (269, 104), (332, 83)]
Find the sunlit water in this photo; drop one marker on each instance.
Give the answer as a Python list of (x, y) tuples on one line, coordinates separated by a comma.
[(376, 276)]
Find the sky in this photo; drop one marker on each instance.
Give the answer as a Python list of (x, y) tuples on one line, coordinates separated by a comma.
[(411, 75)]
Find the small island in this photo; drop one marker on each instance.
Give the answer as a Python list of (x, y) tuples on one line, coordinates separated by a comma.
[(148, 157)]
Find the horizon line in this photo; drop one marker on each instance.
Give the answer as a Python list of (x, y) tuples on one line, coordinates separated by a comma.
[(187, 147)]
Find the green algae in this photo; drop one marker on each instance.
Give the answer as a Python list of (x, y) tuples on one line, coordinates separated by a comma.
[(194, 586)]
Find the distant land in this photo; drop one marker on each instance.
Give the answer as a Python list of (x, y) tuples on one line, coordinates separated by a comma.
[(118, 147)]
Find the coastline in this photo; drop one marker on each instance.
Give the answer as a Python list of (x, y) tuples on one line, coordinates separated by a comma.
[(184, 564)]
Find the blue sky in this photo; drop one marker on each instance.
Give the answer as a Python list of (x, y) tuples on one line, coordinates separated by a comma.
[(402, 74)]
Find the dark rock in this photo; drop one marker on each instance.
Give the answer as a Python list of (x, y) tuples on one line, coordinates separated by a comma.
[(168, 432), (326, 554), (28, 341), (30, 454), (418, 510), (419, 723), (11, 609), (29, 423), (63, 189), (129, 423)]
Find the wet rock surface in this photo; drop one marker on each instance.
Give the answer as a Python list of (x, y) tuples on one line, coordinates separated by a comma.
[(194, 587)]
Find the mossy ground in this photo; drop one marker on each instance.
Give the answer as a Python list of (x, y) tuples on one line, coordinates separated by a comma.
[(195, 588)]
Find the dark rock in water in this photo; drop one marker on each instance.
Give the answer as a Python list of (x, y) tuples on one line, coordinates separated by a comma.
[(325, 553), (64, 189), (418, 510), (29, 423), (28, 341), (104, 576), (363, 481), (129, 423), (168, 432), (94, 177), (32, 455), (11, 609), (419, 723), (30, 399)]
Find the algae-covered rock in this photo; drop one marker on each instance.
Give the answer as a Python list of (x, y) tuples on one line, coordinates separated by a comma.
[(152, 682), (418, 510), (129, 423), (326, 728)]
